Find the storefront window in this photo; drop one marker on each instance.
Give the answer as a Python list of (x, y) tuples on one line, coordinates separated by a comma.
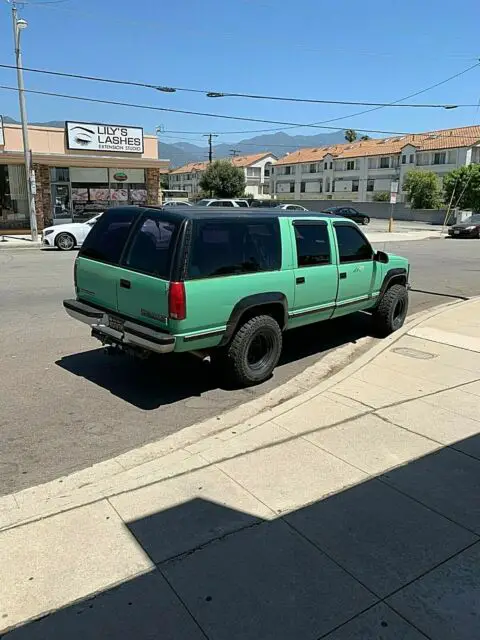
[(13, 197), (60, 174), (92, 190)]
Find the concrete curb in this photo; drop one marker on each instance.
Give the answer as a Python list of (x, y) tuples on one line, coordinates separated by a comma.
[(133, 469), (9, 246)]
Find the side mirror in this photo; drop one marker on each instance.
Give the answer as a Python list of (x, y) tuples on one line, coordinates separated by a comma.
[(381, 256)]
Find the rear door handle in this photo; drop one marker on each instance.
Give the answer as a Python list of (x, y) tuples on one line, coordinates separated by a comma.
[(126, 284), (343, 275), (300, 280)]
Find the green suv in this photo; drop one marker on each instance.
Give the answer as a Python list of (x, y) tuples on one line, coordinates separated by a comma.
[(228, 283)]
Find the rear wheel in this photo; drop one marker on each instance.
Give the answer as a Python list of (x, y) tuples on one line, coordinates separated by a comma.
[(366, 220), (391, 312), (65, 241), (254, 351)]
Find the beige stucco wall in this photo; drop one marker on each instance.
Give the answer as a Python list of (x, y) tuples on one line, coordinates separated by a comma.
[(51, 140)]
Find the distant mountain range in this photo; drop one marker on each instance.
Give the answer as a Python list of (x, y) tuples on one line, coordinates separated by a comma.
[(180, 153)]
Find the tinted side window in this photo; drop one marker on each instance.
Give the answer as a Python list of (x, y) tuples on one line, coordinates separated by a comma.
[(106, 240), (352, 245), (152, 247), (313, 244), (242, 204), (232, 248)]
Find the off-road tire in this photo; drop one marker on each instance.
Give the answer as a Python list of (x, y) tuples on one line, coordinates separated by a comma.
[(262, 333), (391, 312)]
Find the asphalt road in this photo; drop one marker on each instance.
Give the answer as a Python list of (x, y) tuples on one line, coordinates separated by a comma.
[(64, 405)]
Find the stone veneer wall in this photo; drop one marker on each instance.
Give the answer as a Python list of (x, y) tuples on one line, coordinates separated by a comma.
[(153, 185), (43, 198)]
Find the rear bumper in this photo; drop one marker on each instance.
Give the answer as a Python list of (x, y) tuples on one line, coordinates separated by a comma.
[(132, 334)]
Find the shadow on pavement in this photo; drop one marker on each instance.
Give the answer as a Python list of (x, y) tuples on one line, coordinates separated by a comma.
[(394, 558), (170, 378)]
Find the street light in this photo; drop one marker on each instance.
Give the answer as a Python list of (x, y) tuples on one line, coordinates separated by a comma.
[(19, 24)]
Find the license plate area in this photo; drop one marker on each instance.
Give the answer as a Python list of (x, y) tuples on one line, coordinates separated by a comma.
[(116, 323), (457, 233)]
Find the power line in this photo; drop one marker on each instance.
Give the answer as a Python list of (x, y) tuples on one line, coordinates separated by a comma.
[(205, 114), (224, 94)]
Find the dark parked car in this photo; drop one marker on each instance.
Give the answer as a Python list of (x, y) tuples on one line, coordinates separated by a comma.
[(350, 213), (469, 228)]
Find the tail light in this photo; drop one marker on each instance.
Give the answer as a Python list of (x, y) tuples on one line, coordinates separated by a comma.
[(177, 304)]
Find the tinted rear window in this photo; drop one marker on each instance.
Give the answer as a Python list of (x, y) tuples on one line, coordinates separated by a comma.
[(108, 236), (234, 247), (152, 246)]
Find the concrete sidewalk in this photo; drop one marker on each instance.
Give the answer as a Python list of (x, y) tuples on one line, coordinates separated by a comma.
[(350, 512)]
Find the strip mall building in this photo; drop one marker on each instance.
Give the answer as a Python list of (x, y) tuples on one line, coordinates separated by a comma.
[(78, 170)]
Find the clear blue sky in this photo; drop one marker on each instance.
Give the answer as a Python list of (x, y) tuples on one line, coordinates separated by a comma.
[(375, 50)]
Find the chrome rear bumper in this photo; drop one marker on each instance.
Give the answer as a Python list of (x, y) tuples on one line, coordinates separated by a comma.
[(131, 335)]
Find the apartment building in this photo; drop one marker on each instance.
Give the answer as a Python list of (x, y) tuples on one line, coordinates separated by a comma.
[(257, 168), (359, 170)]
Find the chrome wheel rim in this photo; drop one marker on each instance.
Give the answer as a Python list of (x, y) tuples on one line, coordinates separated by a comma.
[(65, 242)]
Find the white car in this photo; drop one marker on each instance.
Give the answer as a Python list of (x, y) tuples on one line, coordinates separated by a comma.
[(67, 236), (291, 207), (222, 202), (177, 203)]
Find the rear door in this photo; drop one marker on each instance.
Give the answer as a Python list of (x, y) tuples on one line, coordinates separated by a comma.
[(359, 275), (316, 274), (143, 277), (96, 268)]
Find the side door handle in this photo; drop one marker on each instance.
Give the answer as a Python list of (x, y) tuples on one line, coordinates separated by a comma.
[(343, 275), (126, 284), (300, 280)]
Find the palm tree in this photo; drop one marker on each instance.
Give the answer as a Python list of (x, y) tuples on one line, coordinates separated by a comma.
[(350, 135)]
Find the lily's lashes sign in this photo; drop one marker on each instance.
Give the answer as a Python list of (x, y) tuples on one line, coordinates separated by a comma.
[(104, 137)]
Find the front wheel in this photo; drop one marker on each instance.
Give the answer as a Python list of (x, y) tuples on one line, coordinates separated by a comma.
[(366, 220), (391, 312), (65, 241), (254, 351)]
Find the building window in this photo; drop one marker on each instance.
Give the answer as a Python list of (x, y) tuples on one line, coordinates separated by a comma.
[(372, 163), (288, 171), (272, 171), (370, 185), (412, 158), (327, 184), (325, 165), (452, 156), (355, 184), (350, 165), (331, 165), (404, 159), (384, 163), (302, 187), (333, 186), (439, 158), (313, 168), (320, 184)]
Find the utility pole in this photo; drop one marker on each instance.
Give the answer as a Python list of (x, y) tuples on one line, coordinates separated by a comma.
[(210, 136), (18, 25), (234, 152)]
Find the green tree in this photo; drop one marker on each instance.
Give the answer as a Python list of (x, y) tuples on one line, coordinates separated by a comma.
[(423, 189), (462, 187), (164, 181), (381, 196), (223, 180), (350, 135), (365, 138)]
